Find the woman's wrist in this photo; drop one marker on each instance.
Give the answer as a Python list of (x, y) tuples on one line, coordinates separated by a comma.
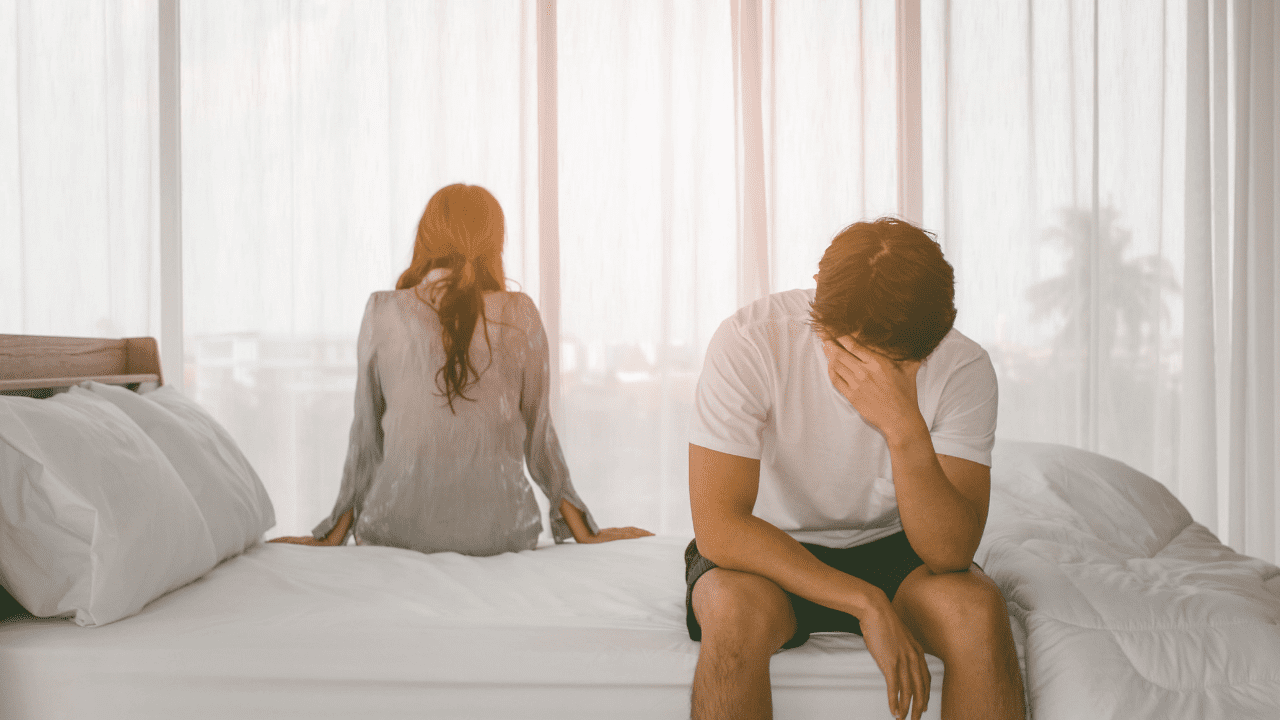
[(338, 534), (577, 522)]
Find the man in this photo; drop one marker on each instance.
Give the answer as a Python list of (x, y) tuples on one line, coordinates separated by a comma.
[(839, 476)]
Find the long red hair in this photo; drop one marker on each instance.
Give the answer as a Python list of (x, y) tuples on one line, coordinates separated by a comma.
[(463, 230)]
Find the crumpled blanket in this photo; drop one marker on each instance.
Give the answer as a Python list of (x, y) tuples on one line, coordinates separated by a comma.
[(1130, 609)]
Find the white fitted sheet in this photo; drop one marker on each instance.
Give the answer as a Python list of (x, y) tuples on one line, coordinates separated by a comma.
[(564, 631)]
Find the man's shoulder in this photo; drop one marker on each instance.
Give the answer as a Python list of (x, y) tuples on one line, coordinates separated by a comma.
[(956, 344), (789, 306), (957, 351), (775, 324), (765, 334)]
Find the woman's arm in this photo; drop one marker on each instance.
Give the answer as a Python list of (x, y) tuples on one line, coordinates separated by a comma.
[(545, 461), (365, 442), (542, 454)]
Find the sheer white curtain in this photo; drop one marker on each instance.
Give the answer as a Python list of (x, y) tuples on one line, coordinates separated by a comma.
[(1102, 175), (708, 151), (1233, 273), (78, 182), (1055, 142), (648, 241), (313, 135)]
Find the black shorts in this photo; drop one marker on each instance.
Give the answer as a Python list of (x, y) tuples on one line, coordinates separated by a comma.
[(884, 563)]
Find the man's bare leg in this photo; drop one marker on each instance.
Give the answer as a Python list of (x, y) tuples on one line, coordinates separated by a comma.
[(962, 618), (745, 619)]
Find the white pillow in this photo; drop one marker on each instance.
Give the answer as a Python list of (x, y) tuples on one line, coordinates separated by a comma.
[(228, 492), (1055, 485), (94, 521)]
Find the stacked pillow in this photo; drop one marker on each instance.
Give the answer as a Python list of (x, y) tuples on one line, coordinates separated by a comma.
[(109, 499), (228, 492)]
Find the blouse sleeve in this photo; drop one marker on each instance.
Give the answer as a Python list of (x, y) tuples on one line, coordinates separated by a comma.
[(364, 449), (542, 452)]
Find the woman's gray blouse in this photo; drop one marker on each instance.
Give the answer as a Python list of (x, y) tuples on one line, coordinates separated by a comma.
[(421, 477)]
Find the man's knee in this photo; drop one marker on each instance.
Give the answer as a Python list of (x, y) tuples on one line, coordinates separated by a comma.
[(965, 610), (743, 609)]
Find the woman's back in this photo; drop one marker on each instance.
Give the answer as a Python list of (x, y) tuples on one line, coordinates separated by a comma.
[(441, 478), (451, 404)]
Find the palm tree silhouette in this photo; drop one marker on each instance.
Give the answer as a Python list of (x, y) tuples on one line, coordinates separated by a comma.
[(1101, 290)]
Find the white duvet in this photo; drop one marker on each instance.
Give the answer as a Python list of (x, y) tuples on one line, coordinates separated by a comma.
[(1130, 609)]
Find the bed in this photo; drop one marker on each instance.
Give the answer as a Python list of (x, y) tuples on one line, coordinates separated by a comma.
[(1121, 607)]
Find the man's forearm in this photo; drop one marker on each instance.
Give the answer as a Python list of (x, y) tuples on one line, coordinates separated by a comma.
[(749, 544), (943, 526)]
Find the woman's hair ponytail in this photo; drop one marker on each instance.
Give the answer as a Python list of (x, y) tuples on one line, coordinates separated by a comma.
[(461, 230)]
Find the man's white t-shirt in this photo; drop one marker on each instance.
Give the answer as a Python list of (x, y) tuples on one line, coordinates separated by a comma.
[(825, 473)]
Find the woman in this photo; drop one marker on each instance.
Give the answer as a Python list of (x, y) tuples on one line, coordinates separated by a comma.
[(452, 402)]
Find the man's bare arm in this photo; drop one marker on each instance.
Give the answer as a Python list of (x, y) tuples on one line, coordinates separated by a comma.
[(722, 494), (942, 500)]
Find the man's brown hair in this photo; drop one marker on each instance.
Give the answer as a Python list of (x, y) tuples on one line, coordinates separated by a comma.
[(886, 283)]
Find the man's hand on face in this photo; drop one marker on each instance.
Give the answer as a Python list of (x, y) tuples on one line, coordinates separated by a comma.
[(882, 390)]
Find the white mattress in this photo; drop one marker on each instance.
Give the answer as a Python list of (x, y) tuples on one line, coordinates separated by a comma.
[(286, 631), (1130, 610)]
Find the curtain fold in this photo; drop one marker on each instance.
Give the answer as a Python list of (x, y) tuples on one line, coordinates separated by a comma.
[(747, 31), (1227, 457), (1198, 434), (1254, 296)]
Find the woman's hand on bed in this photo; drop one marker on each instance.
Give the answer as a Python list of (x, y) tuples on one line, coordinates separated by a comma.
[(581, 533), (613, 533), (336, 536), (297, 540), (332, 540), (901, 660)]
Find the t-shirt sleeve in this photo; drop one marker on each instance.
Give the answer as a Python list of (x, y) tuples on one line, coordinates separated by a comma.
[(965, 424), (732, 401)]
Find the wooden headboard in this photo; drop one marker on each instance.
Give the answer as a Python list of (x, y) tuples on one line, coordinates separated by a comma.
[(35, 365)]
